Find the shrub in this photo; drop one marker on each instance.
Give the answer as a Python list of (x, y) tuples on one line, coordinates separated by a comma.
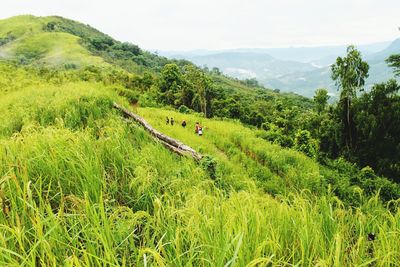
[(209, 164), (132, 96), (304, 143), (184, 109)]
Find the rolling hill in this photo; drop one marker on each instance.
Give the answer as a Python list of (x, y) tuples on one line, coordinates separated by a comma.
[(80, 185), (25, 39)]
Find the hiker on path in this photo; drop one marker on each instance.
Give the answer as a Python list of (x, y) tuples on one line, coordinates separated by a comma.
[(196, 128), (172, 121), (184, 124), (167, 120), (200, 131)]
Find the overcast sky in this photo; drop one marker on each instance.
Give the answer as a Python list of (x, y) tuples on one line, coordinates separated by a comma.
[(220, 24)]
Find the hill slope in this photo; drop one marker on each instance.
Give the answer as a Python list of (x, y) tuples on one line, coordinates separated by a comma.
[(61, 43), (25, 39), (79, 185)]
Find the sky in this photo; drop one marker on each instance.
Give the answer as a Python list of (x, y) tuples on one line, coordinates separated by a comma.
[(226, 24)]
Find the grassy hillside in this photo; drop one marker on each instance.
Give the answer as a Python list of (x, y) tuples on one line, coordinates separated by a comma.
[(80, 186), (24, 39), (20, 25)]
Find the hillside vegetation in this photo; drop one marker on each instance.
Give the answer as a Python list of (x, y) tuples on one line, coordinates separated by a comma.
[(82, 186), (25, 40)]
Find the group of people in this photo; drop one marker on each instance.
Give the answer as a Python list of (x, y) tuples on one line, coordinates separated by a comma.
[(198, 128), (170, 120)]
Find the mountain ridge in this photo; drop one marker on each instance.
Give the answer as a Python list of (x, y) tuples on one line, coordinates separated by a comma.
[(289, 75)]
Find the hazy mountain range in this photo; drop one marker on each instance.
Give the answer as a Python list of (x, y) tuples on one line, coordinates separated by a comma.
[(296, 69)]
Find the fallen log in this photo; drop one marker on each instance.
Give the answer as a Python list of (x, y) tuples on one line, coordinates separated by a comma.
[(173, 144)]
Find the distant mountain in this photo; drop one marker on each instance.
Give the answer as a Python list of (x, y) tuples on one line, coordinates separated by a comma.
[(301, 54), (250, 64), (393, 48), (296, 69)]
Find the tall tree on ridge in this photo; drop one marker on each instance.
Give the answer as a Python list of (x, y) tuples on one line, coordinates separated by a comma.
[(349, 73)]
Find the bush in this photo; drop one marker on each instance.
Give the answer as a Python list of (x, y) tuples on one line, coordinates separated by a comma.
[(372, 183), (209, 164), (304, 143), (184, 109), (132, 96), (275, 135), (7, 39)]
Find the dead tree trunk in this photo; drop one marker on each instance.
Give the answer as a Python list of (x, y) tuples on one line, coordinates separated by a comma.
[(172, 144)]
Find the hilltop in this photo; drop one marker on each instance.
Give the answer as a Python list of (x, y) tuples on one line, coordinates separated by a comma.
[(29, 39), (82, 185)]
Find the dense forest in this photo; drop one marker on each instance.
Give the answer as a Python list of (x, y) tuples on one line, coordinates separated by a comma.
[(285, 179)]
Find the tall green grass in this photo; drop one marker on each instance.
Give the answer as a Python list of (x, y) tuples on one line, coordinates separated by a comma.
[(33, 44), (241, 154), (79, 186)]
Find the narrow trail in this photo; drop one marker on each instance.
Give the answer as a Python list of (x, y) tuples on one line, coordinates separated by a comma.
[(172, 144)]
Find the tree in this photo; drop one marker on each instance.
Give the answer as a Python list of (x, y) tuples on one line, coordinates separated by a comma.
[(251, 82), (349, 73), (101, 43), (216, 71), (51, 26), (147, 80), (128, 47), (321, 99), (394, 62), (304, 143), (377, 121), (201, 89), (170, 84)]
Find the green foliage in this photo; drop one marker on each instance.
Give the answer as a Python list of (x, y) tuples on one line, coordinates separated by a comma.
[(199, 90), (377, 120), (209, 164), (171, 81), (349, 73), (394, 62), (304, 143), (252, 82), (191, 88), (321, 99), (131, 96), (275, 135), (184, 109), (7, 39)]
